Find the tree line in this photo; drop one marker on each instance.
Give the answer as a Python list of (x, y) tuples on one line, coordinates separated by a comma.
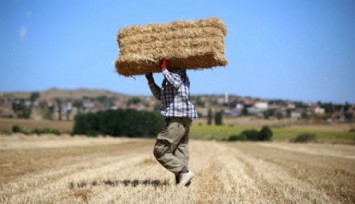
[(130, 123)]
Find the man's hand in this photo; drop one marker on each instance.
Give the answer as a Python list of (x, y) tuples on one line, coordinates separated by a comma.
[(164, 64), (149, 77)]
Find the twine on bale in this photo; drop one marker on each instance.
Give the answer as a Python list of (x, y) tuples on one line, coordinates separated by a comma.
[(186, 44)]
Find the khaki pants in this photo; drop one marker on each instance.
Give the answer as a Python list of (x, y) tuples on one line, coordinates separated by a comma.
[(171, 148)]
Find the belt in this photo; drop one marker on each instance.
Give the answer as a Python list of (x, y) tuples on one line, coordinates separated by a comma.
[(183, 120)]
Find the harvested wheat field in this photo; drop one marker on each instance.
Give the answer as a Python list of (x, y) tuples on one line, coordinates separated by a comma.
[(50, 169)]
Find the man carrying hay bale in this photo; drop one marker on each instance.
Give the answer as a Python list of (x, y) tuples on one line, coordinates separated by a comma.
[(188, 45), (171, 147)]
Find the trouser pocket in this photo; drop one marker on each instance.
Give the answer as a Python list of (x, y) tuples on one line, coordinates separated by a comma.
[(172, 133)]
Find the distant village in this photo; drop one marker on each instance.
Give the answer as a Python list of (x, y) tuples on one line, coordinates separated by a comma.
[(57, 104)]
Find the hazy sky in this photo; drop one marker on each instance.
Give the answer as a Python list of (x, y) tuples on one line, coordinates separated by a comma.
[(295, 49)]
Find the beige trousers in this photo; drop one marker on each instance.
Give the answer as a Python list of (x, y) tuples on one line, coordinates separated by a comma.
[(172, 146)]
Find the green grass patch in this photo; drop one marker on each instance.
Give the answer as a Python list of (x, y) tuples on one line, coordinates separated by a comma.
[(288, 133), (216, 132), (279, 133)]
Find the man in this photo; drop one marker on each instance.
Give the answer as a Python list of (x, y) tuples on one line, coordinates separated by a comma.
[(171, 147)]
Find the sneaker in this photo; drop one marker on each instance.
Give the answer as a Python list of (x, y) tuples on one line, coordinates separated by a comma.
[(185, 178), (177, 181)]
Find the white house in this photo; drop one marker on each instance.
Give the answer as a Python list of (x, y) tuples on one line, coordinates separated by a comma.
[(261, 105), (319, 110)]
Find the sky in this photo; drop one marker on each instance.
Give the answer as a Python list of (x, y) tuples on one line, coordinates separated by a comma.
[(300, 50)]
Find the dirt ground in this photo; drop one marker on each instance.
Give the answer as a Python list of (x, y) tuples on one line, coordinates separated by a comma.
[(52, 169)]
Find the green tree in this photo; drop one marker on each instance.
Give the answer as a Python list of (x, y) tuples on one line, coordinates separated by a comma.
[(245, 111), (347, 106), (199, 102), (268, 113), (129, 123), (107, 101), (305, 115), (250, 135), (329, 108), (21, 109), (209, 117), (133, 101), (34, 96), (288, 113), (265, 133), (48, 111), (59, 104), (79, 105), (300, 105), (218, 118), (279, 115)]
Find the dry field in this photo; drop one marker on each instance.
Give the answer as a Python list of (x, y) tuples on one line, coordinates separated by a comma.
[(28, 125), (50, 169)]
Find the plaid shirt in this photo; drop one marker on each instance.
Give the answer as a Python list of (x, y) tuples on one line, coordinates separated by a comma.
[(174, 95)]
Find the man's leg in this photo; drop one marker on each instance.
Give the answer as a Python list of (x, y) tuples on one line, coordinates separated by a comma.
[(182, 151), (166, 144)]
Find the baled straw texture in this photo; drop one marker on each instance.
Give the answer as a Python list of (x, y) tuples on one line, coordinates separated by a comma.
[(186, 44)]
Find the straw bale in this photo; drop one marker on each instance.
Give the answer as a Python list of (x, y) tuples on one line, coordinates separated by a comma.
[(186, 44)]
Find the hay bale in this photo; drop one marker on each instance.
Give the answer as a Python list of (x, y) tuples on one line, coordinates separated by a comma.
[(186, 44)]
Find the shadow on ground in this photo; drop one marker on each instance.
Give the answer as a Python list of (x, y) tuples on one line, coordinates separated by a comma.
[(126, 183)]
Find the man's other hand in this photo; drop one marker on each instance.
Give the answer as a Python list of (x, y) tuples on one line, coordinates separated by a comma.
[(149, 77)]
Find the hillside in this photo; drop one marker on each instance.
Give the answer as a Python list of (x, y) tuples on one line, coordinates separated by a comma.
[(77, 93), (64, 94)]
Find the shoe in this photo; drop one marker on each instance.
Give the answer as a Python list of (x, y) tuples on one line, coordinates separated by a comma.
[(185, 178), (177, 181)]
